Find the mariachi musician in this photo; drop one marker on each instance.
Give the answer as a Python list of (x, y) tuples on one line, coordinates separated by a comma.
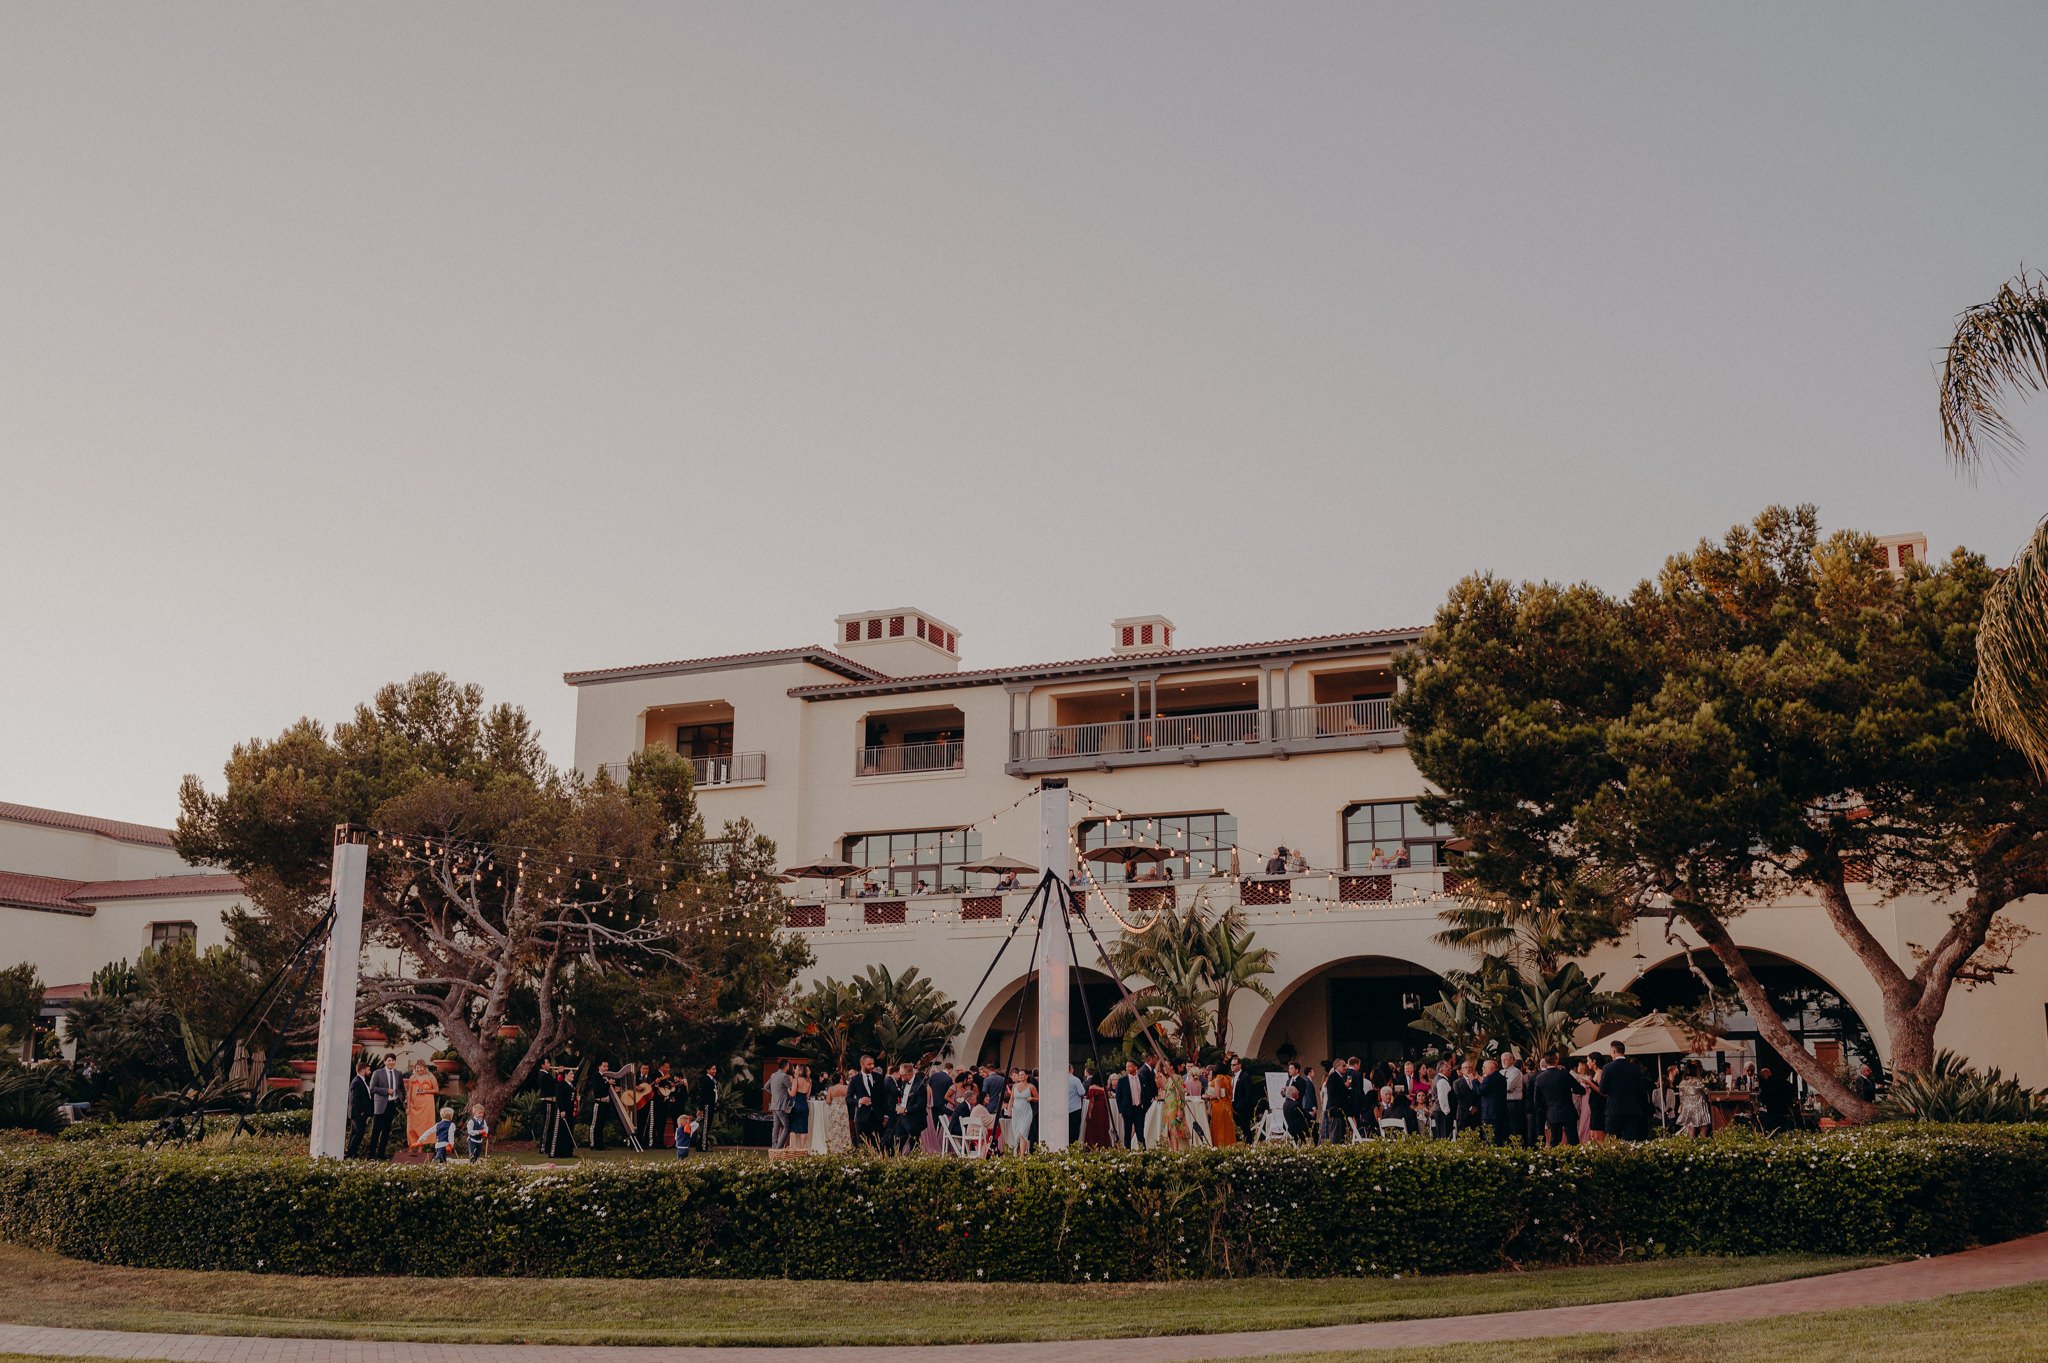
[(558, 1111)]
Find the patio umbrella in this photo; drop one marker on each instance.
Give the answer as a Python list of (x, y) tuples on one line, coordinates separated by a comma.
[(1128, 852), (824, 868), (997, 865), (1657, 1034)]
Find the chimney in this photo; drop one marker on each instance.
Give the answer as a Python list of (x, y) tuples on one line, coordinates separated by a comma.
[(1900, 550), (1141, 634), (902, 641)]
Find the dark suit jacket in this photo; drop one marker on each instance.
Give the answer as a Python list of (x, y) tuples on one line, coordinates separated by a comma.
[(1553, 1089), (1776, 1094), (358, 1097), (1121, 1089), (873, 1087), (936, 1083), (1628, 1092), (1245, 1088), (1493, 1098), (915, 1098)]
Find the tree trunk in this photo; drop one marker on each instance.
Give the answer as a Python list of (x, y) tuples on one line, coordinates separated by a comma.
[(1769, 1025)]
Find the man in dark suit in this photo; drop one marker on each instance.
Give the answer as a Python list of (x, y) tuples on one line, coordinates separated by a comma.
[(1628, 1096), (1493, 1101), (1340, 1090), (1133, 1096), (867, 1100), (704, 1097), (1775, 1098), (1296, 1102), (911, 1109), (387, 1100), (1245, 1088), (359, 1108), (1554, 1089)]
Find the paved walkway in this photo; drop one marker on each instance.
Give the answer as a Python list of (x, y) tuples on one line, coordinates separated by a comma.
[(2008, 1265)]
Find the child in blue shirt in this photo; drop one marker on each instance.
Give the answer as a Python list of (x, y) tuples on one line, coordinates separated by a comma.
[(686, 1135), (479, 1133)]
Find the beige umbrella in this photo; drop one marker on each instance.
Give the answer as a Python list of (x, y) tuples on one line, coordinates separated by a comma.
[(997, 865), (1658, 1034), (1128, 852), (824, 868)]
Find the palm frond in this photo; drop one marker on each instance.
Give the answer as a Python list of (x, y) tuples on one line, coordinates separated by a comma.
[(2012, 654), (1998, 346)]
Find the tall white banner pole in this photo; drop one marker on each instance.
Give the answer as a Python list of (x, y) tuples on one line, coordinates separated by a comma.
[(334, 1069), (1055, 855)]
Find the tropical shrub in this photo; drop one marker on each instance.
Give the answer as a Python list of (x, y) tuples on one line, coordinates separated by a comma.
[(1950, 1091)]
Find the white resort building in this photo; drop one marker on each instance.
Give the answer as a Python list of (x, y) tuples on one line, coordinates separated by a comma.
[(77, 892), (882, 751)]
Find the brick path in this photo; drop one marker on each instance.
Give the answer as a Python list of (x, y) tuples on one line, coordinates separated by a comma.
[(2008, 1265)]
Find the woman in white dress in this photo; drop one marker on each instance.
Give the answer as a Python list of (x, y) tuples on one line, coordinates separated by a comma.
[(1017, 1126), (1695, 1118), (831, 1133)]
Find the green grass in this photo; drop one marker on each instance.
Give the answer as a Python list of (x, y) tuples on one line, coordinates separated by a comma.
[(1981, 1327), (44, 1289), (2002, 1326)]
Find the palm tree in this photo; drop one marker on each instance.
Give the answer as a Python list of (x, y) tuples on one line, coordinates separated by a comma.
[(1175, 990), (1235, 966), (827, 1019), (1999, 346)]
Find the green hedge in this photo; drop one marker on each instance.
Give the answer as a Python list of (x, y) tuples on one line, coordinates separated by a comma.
[(1374, 1208), (291, 1122)]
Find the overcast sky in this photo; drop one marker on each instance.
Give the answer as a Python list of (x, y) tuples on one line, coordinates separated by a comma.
[(339, 343)]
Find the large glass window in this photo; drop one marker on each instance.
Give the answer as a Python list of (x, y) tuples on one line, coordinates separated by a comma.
[(704, 740), (901, 859), (162, 935), (1201, 843), (1396, 832)]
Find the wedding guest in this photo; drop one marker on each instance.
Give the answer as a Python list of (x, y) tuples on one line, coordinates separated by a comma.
[(420, 1092)]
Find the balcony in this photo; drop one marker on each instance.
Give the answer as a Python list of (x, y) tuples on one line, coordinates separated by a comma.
[(1367, 724), (909, 759), (726, 769), (1316, 895)]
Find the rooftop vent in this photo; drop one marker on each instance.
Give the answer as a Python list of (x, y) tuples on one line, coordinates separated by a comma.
[(901, 641), (1142, 634)]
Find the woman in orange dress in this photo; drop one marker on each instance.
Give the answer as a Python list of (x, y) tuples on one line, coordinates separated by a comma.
[(421, 1091), (1222, 1119)]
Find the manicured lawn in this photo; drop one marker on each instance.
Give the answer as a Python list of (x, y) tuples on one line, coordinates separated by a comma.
[(1978, 1327), (43, 1289), (1981, 1327)]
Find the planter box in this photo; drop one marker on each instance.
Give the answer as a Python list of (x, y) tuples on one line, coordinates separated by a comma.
[(446, 1066), (304, 1068)]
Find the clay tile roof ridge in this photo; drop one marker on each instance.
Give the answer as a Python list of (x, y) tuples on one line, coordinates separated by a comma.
[(117, 829)]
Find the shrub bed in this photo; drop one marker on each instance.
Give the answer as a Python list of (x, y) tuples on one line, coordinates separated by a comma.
[(1109, 1216)]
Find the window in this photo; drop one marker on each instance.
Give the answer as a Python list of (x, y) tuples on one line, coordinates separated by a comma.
[(704, 740), (1201, 842), (1393, 828), (162, 935), (902, 859)]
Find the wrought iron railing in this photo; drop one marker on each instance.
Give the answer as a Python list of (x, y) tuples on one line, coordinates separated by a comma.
[(898, 759), (725, 769)]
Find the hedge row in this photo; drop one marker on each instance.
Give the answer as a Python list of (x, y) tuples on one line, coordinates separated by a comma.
[(1109, 1216), (290, 1122)]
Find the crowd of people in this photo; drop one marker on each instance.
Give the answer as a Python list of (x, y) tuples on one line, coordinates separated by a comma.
[(1157, 1104), (932, 1107)]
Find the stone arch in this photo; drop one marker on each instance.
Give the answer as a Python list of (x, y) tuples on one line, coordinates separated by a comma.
[(1357, 1004), (1666, 980), (997, 1014)]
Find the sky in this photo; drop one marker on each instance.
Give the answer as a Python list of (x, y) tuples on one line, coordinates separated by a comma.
[(342, 343)]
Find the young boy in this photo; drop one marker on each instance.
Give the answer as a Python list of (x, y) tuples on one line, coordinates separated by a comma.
[(479, 1133), (686, 1135), (441, 1135)]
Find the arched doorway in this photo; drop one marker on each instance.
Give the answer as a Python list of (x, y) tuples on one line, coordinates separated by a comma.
[(1361, 1005), (1814, 1011), (1008, 1024)]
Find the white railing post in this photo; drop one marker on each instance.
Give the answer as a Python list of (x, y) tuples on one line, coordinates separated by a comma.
[(334, 1067)]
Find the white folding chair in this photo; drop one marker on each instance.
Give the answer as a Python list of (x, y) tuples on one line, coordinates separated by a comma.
[(976, 1138), (1273, 1127), (1392, 1126), (1351, 1127), (951, 1139)]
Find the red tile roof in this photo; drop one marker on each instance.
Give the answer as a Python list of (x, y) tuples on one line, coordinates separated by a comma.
[(20, 890), (24, 891), (808, 653), (1112, 661), (86, 823), (158, 887)]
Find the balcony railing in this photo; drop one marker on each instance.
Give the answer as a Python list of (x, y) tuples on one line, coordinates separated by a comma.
[(728, 769), (1189, 735), (1413, 889), (898, 759)]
